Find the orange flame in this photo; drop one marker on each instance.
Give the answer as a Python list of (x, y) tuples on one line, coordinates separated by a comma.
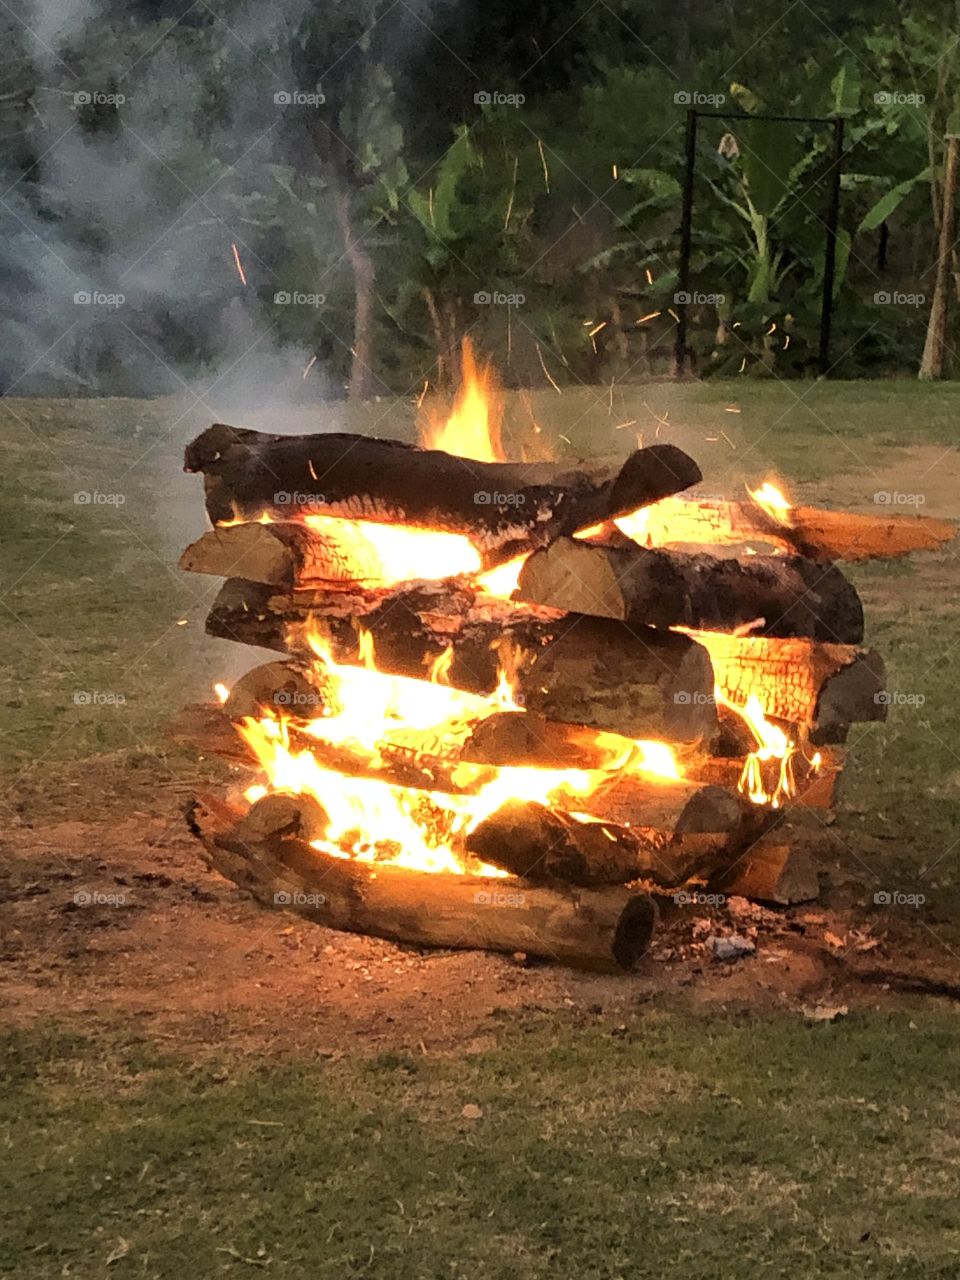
[(473, 428), (773, 501)]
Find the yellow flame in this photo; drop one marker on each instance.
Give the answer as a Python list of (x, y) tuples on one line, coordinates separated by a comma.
[(773, 501), (473, 427), (774, 745)]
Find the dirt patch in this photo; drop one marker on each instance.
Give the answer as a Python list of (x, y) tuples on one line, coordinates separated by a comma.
[(108, 925)]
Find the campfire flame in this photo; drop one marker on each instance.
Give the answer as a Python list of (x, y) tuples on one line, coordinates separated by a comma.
[(378, 718), (372, 712), (772, 500), (473, 429)]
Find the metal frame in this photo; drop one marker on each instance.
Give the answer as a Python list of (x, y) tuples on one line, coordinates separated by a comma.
[(832, 223)]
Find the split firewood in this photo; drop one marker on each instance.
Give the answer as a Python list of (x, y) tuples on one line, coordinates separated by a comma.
[(781, 596), (504, 508), (729, 528), (287, 555), (549, 844), (604, 929), (635, 681), (823, 687), (768, 872)]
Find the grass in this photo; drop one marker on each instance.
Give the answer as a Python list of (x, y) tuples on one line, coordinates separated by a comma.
[(683, 1144), (678, 1145)]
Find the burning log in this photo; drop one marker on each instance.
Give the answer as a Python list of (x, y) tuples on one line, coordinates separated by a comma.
[(504, 508), (792, 596), (635, 681), (685, 523), (549, 844), (284, 555), (603, 929), (823, 687)]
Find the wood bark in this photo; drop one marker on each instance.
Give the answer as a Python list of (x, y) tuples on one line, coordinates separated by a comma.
[(504, 508), (288, 555), (792, 596), (548, 844), (635, 681), (729, 528), (931, 363), (823, 687), (768, 872), (602, 929)]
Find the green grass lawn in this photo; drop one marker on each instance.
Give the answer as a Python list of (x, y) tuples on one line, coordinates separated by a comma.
[(683, 1144)]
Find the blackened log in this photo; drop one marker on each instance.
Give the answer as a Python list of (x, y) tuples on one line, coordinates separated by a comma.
[(768, 872), (504, 508), (635, 681), (783, 595), (603, 929)]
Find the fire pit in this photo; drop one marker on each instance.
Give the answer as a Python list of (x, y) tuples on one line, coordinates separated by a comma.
[(520, 701)]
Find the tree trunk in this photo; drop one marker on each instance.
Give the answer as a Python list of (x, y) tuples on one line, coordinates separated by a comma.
[(931, 365), (364, 283)]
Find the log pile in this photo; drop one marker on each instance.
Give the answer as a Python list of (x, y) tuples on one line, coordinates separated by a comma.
[(612, 647)]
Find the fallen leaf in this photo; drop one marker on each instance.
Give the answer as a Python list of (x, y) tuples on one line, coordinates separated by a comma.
[(471, 1111), (825, 1012), (121, 1251), (832, 940)]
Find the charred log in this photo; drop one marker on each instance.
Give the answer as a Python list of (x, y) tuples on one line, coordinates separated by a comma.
[(634, 681), (789, 595), (603, 929), (504, 508)]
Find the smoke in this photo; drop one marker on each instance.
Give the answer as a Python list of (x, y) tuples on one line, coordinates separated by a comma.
[(153, 149)]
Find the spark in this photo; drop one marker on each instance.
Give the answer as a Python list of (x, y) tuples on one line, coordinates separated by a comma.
[(543, 161), (236, 258), (596, 328), (652, 316), (546, 372), (310, 363)]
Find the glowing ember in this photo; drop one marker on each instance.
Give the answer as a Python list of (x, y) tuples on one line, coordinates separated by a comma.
[(473, 427), (371, 712), (398, 553), (771, 500)]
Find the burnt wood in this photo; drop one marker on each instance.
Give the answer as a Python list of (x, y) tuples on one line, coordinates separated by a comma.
[(635, 681), (791, 595), (504, 508), (603, 929)]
